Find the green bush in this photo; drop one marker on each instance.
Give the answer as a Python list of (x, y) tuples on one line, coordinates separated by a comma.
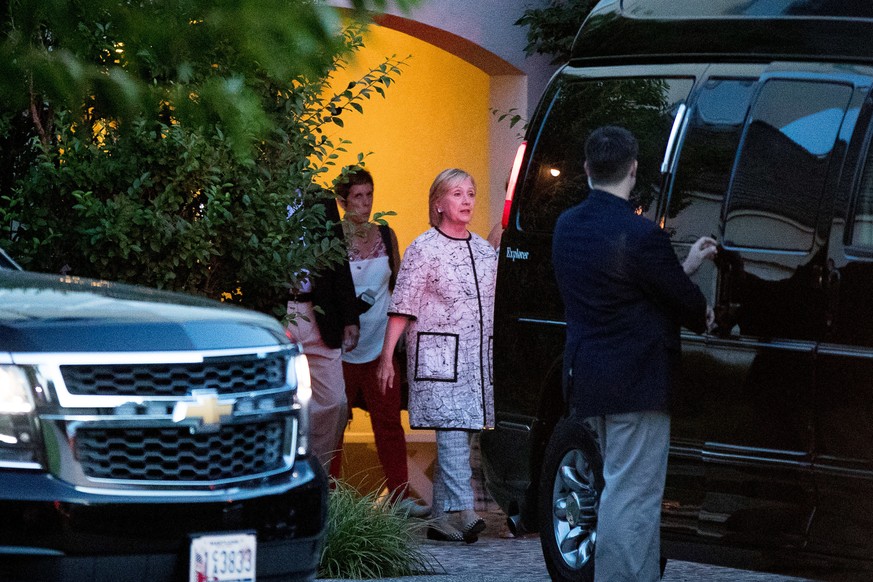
[(369, 537), (178, 202)]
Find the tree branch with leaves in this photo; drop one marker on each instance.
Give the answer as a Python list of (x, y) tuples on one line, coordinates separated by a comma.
[(185, 181), (552, 30)]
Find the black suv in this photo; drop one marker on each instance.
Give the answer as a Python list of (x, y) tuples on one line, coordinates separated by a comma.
[(755, 123), (150, 436)]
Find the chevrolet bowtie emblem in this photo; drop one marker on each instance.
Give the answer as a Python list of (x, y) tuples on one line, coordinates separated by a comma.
[(206, 407)]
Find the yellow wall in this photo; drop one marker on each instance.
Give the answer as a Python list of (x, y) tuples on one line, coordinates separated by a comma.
[(435, 117)]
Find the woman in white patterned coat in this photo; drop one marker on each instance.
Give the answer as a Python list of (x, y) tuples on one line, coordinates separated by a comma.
[(444, 300)]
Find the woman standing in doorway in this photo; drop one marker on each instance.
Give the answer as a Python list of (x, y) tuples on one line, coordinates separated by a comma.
[(444, 301), (374, 261)]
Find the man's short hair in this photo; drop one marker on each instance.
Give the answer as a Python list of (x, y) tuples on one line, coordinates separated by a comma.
[(609, 151)]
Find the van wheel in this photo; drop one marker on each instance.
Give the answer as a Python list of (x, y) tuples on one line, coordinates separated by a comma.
[(572, 479)]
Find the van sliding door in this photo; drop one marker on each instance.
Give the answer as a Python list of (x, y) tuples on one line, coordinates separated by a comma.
[(771, 309), (746, 395)]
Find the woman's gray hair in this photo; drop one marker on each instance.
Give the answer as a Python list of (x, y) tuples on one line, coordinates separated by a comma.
[(445, 181)]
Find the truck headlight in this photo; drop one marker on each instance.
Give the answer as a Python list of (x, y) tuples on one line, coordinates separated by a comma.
[(302, 398), (16, 411)]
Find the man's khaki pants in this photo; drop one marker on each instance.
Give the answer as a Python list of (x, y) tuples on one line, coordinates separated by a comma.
[(634, 448), (328, 409)]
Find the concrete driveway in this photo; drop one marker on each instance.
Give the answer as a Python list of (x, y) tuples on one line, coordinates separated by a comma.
[(496, 559)]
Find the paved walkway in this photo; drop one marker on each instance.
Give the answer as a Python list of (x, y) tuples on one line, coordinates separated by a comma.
[(496, 559)]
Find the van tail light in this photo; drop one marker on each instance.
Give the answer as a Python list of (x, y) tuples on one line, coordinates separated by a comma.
[(513, 181)]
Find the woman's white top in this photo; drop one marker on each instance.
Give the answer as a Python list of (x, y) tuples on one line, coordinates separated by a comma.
[(371, 276)]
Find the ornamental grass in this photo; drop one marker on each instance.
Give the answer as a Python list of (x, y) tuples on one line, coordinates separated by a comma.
[(370, 537)]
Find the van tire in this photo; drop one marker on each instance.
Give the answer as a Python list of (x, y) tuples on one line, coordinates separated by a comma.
[(570, 486)]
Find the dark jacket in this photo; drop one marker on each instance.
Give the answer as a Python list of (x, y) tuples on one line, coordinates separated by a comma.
[(625, 296), (333, 291)]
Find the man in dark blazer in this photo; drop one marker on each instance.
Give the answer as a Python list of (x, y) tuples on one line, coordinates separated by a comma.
[(625, 295), (325, 312)]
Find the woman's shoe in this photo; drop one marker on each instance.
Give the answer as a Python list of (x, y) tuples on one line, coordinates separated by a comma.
[(412, 509), (468, 523), (441, 531), (444, 536)]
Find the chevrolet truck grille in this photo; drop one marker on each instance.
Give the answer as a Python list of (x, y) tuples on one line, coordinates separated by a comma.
[(167, 420), (174, 454), (225, 376)]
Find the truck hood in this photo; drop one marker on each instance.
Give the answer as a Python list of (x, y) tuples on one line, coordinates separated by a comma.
[(46, 313)]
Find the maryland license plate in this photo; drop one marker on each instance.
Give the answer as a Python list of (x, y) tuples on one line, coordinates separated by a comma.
[(223, 558)]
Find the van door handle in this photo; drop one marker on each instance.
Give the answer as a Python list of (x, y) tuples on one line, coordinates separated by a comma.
[(674, 135)]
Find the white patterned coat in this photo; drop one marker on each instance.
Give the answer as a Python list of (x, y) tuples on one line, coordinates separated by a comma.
[(446, 287)]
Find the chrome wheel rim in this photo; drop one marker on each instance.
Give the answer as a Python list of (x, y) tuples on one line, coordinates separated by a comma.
[(574, 510)]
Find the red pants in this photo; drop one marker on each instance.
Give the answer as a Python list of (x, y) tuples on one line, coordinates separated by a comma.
[(362, 383)]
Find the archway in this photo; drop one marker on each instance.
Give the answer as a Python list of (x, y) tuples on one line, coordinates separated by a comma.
[(437, 115)]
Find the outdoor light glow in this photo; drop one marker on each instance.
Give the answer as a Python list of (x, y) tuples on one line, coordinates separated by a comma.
[(304, 381), (14, 391), (304, 395), (555, 172), (513, 181)]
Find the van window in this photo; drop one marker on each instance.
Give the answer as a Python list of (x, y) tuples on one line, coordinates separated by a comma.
[(774, 197), (707, 157), (555, 177)]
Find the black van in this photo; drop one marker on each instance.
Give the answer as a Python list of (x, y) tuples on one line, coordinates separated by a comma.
[(755, 122)]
